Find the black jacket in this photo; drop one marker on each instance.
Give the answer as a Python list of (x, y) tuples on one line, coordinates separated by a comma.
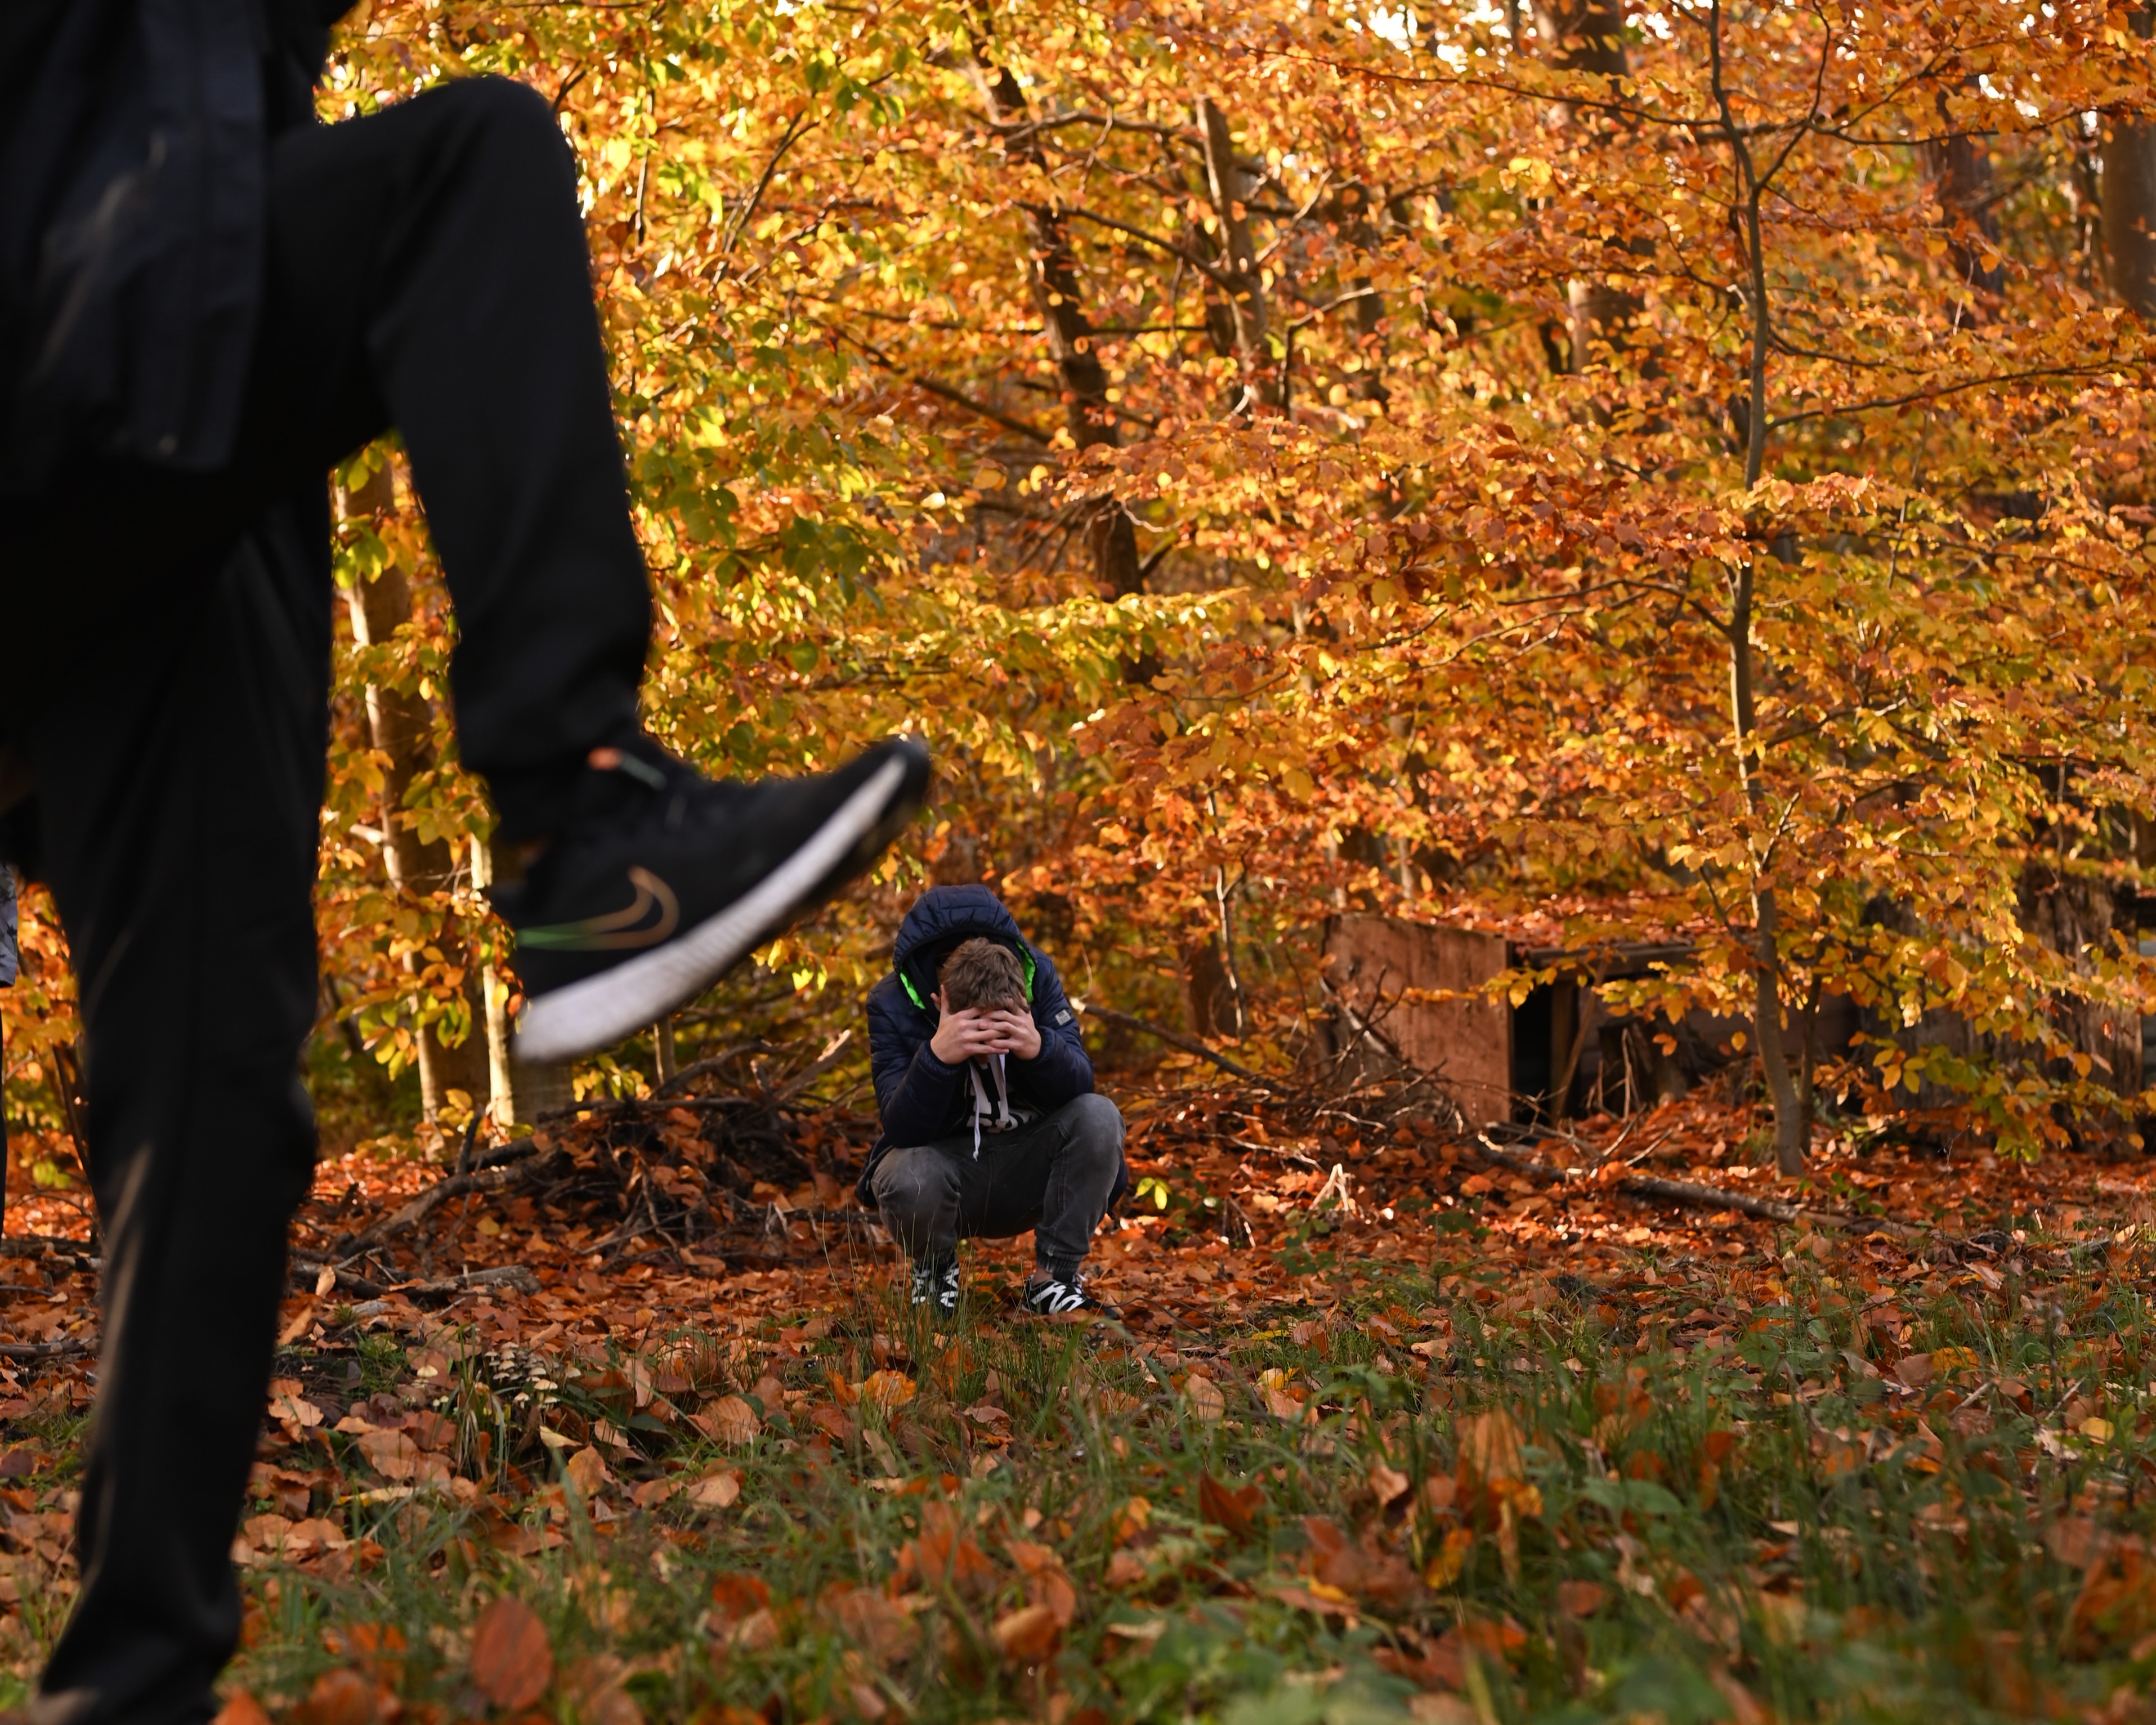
[(8, 950), (920, 1098), (134, 182)]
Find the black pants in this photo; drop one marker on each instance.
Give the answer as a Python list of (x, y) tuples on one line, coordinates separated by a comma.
[(167, 679), (1052, 1175)]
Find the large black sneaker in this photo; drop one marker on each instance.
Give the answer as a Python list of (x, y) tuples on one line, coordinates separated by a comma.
[(664, 881)]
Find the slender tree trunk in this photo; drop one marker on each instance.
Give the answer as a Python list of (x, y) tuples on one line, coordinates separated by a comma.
[(1052, 276), (401, 726), (1367, 310), (1228, 189), (1589, 36), (1959, 169), (2129, 199), (1790, 1133)]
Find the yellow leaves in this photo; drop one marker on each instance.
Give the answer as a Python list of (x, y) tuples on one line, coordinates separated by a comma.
[(886, 1390), (1450, 1559)]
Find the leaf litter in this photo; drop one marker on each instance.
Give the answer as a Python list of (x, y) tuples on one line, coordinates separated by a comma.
[(1404, 1425)]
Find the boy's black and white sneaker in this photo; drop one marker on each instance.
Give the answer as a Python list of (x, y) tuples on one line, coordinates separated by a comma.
[(663, 881), (936, 1287), (1047, 1296)]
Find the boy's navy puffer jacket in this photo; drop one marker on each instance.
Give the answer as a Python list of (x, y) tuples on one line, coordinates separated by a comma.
[(920, 1098), (7, 948)]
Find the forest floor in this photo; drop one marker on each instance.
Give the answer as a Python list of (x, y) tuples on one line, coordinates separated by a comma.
[(1383, 1432)]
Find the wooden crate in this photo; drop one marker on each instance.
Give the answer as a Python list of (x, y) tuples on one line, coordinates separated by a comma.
[(1543, 1059)]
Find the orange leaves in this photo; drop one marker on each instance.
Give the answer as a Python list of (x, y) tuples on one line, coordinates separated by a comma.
[(1364, 1569), (241, 1708), (1047, 1585), (512, 1661), (943, 1553), (1028, 1634)]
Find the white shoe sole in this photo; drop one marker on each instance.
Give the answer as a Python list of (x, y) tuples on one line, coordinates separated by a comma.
[(600, 1010)]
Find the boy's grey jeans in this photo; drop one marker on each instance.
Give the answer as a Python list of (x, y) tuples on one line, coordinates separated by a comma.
[(1052, 1175)]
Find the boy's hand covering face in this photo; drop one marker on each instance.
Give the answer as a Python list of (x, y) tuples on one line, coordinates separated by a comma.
[(1020, 1036), (979, 1031)]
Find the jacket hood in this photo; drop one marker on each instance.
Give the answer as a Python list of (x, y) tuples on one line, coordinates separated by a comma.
[(941, 917)]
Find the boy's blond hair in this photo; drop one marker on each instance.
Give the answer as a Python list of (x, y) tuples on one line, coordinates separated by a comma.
[(983, 974)]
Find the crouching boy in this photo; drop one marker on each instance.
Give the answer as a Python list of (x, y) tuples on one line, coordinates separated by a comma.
[(991, 1125)]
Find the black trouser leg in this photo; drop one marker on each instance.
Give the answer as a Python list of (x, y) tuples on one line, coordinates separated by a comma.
[(166, 681), (181, 764), (1052, 1175), (427, 274), (466, 322)]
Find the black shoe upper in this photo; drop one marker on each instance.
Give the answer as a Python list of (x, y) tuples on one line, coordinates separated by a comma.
[(653, 849)]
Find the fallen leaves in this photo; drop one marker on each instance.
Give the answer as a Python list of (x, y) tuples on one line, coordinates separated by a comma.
[(1203, 1395), (728, 1420), (886, 1390), (1028, 1634), (1233, 1508), (715, 1490), (512, 1661)]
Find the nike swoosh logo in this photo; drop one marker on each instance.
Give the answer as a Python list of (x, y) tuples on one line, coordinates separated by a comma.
[(618, 930)]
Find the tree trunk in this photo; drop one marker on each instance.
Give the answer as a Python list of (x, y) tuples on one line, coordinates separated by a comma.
[(2129, 199), (1228, 188), (401, 725), (1052, 276), (1959, 169), (1790, 1129), (1367, 310), (1210, 1007), (1589, 36)]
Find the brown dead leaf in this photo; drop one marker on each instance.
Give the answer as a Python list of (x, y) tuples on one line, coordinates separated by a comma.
[(1028, 1634), (586, 1471), (339, 1697), (511, 1659), (2076, 1541), (715, 1491), (595, 1687), (391, 1454), (1915, 1370), (1046, 1582), (736, 1595), (1489, 1449), (1581, 1599), (945, 1553), (869, 1621), (1234, 1508), (729, 1420), (1386, 1483), (1205, 1398)]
